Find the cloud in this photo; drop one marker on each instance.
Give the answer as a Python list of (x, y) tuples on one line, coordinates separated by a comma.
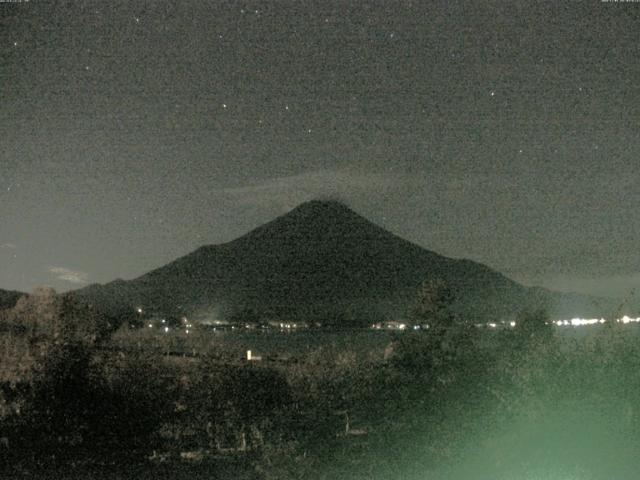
[(289, 191), (68, 275), (8, 246)]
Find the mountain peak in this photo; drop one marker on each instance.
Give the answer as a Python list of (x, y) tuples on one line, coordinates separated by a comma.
[(317, 204), (323, 208), (314, 221)]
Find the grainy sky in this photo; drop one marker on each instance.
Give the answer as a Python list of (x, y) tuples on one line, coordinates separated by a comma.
[(506, 132)]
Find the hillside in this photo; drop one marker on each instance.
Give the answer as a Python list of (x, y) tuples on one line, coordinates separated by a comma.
[(321, 261)]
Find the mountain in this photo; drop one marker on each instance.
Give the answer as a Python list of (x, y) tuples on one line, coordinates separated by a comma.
[(321, 262), (9, 298)]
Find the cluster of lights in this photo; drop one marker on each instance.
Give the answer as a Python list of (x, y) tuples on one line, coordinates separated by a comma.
[(574, 322), (577, 322), (185, 321), (187, 324), (627, 319), (391, 326), (288, 326)]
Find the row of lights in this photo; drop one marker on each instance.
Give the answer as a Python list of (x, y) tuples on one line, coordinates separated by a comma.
[(574, 322)]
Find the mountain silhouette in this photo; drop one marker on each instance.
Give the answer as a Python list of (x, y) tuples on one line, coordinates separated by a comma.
[(321, 262)]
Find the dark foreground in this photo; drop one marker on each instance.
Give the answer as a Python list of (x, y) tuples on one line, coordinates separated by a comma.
[(454, 402)]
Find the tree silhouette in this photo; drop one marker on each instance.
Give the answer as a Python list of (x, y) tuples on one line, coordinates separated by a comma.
[(534, 326), (433, 306)]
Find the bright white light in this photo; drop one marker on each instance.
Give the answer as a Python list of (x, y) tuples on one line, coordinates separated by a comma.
[(576, 322), (579, 322), (512, 323), (166, 329), (150, 325), (139, 310)]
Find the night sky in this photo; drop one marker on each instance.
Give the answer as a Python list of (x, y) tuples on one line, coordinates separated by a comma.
[(505, 132)]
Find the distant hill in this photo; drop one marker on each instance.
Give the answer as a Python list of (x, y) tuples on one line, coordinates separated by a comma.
[(9, 298), (322, 261)]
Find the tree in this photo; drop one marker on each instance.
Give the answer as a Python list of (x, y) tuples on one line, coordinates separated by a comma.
[(78, 409), (46, 316), (534, 326), (447, 339), (433, 305)]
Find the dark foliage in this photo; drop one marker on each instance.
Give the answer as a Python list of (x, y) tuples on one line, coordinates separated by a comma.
[(73, 411)]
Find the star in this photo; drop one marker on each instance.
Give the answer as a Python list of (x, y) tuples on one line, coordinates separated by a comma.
[(137, 19), (493, 94), (15, 44), (224, 105)]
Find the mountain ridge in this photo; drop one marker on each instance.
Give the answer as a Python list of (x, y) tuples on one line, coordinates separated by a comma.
[(321, 261)]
